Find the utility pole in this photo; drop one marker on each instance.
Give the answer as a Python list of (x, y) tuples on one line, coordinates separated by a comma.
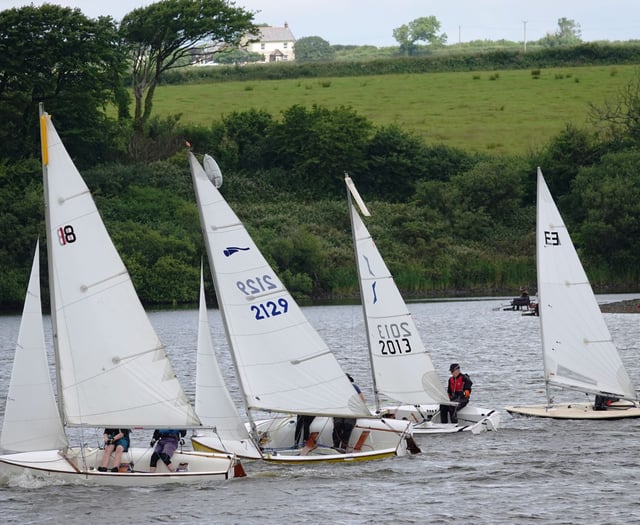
[(525, 35)]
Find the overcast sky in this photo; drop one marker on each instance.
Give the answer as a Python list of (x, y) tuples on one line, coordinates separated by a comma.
[(372, 21)]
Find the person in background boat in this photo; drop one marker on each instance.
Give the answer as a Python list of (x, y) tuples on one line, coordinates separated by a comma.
[(166, 441), (115, 439), (343, 426), (303, 428), (523, 301), (459, 390), (603, 402)]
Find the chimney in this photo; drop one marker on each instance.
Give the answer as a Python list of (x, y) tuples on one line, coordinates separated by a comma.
[(286, 25)]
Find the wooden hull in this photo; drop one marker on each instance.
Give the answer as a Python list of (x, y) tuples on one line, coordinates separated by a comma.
[(620, 410), (78, 466)]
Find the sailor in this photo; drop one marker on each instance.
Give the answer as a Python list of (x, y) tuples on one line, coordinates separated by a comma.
[(459, 390)]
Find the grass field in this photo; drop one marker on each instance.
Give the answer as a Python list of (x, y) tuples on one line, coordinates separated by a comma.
[(491, 111)]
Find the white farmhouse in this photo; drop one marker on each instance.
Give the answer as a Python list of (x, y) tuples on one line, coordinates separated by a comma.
[(275, 44)]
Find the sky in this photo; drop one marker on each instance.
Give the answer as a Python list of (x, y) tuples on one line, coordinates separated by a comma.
[(371, 22)]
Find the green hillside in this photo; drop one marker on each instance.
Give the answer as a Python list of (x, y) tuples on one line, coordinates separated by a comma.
[(509, 111)]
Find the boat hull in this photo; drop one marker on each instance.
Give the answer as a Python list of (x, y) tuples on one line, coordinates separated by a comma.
[(426, 419), (370, 439), (80, 466), (619, 410)]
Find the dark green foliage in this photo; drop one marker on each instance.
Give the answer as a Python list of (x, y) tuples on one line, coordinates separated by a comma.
[(313, 49), (562, 158), (74, 65), (317, 146), (609, 195)]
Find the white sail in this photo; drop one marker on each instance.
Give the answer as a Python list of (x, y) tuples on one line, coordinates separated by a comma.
[(113, 369), (283, 364), (31, 402), (214, 405), (578, 350), (401, 365)]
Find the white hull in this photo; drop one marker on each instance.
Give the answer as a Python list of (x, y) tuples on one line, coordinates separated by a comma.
[(72, 468), (620, 410), (373, 438), (426, 419)]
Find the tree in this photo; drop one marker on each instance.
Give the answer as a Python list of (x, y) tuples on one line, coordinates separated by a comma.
[(619, 118), (162, 34), (423, 29), (73, 64), (568, 34), (313, 49), (317, 145), (609, 192)]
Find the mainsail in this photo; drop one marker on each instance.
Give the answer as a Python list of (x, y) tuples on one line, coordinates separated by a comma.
[(113, 370), (282, 363), (401, 365)]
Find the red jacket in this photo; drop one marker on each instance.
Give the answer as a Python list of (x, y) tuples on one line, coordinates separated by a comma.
[(459, 385)]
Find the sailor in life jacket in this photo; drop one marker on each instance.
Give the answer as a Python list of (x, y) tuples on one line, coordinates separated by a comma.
[(459, 390)]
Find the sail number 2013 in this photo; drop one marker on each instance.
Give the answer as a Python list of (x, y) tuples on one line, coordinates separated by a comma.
[(394, 338)]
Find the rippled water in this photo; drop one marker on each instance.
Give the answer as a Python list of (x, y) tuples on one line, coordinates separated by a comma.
[(530, 471)]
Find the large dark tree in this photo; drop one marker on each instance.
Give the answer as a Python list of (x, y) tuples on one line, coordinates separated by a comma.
[(162, 35), (72, 63)]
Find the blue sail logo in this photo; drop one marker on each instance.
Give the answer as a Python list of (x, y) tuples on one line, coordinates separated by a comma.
[(230, 250), (373, 286)]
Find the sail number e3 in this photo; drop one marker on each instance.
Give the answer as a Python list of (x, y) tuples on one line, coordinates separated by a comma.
[(66, 235), (551, 238)]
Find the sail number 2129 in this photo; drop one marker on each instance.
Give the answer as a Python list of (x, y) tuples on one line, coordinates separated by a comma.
[(270, 309), (394, 338)]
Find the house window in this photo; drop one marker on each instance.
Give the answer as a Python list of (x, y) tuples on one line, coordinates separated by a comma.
[(261, 45), (285, 45)]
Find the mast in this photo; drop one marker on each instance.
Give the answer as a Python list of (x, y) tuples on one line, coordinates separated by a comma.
[(541, 313), (352, 189), (45, 184)]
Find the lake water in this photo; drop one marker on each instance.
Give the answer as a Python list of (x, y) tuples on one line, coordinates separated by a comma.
[(530, 471)]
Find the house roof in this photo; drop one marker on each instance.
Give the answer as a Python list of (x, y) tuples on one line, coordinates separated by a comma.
[(276, 34)]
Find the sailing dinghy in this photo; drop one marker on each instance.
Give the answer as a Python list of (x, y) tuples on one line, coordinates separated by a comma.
[(578, 352), (283, 365), (401, 365), (112, 370)]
